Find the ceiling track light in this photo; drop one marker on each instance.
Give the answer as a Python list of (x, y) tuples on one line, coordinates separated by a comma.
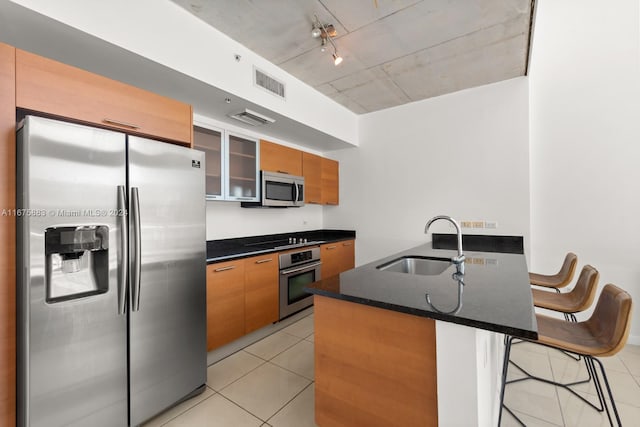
[(325, 32)]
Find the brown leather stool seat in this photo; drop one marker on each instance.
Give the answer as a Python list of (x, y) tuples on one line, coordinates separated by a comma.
[(559, 280), (578, 299), (604, 334)]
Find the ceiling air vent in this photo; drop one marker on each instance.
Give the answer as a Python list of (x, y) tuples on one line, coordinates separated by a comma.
[(252, 118), (268, 83)]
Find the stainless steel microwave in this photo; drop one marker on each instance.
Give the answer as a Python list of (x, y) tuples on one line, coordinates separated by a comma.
[(279, 190)]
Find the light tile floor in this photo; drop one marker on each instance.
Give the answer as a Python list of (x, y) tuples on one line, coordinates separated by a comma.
[(270, 383)]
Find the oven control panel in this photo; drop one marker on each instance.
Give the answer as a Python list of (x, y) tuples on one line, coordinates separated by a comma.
[(299, 257)]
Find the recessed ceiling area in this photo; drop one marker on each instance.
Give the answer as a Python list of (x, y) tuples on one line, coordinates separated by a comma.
[(395, 51)]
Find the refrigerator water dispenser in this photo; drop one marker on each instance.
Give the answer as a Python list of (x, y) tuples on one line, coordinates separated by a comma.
[(77, 262)]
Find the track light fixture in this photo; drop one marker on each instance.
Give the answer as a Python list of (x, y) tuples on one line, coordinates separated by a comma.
[(325, 32)]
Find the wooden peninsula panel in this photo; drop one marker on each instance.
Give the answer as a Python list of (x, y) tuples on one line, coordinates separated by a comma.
[(373, 367), (7, 237)]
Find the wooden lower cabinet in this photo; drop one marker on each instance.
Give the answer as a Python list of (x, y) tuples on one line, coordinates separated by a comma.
[(242, 296), (7, 238), (261, 291), (337, 257), (225, 302)]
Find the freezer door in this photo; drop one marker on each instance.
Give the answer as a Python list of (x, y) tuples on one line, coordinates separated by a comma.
[(167, 328), (72, 356)]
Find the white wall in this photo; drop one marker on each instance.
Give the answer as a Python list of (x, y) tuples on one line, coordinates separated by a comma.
[(227, 219), (585, 140), (464, 154), (469, 365)]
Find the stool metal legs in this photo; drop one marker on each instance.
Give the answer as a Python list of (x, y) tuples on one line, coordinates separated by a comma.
[(592, 375)]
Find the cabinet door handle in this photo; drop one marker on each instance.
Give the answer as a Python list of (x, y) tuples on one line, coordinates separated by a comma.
[(230, 267), (119, 123), (262, 261), (331, 247), (347, 244)]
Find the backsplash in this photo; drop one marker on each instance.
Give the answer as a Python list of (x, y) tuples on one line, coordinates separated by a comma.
[(228, 220)]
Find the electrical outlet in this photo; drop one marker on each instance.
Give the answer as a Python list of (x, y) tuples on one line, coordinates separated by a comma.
[(491, 224), (466, 224), (491, 261), (478, 224)]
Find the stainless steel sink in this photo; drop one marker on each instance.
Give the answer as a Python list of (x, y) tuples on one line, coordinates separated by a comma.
[(426, 266)]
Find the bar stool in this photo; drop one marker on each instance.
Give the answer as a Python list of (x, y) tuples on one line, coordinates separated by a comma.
[(604, 334), (559, 280), (578, 299)]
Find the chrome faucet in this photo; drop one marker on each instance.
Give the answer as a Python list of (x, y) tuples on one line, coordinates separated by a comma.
[(460, 258)]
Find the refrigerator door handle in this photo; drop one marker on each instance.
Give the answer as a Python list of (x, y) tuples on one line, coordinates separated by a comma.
[(135, 274), (124, 239)]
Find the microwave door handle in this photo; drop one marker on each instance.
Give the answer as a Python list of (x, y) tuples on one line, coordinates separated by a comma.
[(295, 185)]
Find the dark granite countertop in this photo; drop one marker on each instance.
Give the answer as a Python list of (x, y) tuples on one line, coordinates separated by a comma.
[(496, 294), (243, 247)]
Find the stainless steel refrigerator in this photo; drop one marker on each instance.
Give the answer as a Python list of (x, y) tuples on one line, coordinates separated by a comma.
[(111, 275)]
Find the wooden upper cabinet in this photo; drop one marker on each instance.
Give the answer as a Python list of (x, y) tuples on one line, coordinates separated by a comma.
[(278, 158), (312, 172), (330, 182), (7, 238), (51, 87)]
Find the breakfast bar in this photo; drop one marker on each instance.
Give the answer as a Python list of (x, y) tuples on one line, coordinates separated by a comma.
[(415, 339)]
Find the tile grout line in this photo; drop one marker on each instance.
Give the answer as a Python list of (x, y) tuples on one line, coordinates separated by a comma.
[(242, 407), (290, 371), (279, 409), (555, 390), (243, 375), (189, 408), (277, 354), (291, 400)]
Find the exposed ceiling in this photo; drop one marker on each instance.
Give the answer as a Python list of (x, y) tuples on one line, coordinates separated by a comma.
[(395, 51), (33, 32)]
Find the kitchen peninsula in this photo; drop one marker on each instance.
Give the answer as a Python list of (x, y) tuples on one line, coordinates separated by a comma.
[(400, 346)]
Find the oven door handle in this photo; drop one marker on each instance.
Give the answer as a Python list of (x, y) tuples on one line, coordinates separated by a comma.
[(297, 269)]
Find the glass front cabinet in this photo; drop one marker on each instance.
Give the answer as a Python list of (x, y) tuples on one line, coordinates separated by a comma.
[(232, 163)]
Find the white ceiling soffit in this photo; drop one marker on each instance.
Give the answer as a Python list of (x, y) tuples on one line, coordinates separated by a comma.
[(395, 51), (33, 32)]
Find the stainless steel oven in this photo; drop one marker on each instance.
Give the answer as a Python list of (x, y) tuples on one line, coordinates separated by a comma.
[(297, 270)]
